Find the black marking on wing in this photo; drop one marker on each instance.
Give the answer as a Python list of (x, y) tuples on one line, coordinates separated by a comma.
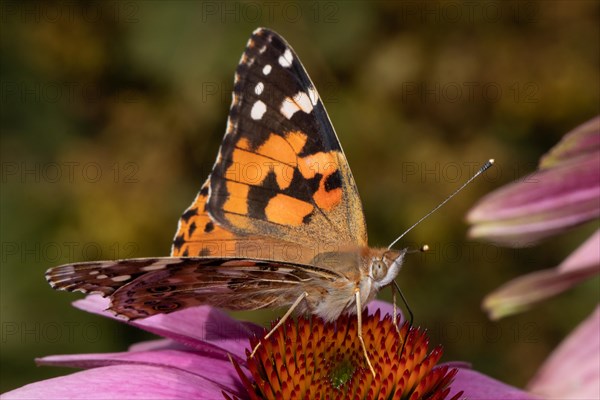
[(333, 181), (189, 214), (209, 227), (279, 84)]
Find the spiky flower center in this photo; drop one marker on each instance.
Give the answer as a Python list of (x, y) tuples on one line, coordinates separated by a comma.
[(311, 359)]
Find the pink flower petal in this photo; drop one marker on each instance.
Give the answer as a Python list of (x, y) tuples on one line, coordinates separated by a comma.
[(482, 387), (573, 369), (586, 255), (220, 373), (383, 306), (191, 327), (578, 142), (205, 329), (121, 382), (546, 203), (563, 193), (158, 344), (521, 293)]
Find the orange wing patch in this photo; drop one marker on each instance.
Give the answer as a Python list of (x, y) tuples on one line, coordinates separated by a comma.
[(286, 210), (279, 157), (197, 234), (275, 188), (237, 201), (251, 167), (329, 193)]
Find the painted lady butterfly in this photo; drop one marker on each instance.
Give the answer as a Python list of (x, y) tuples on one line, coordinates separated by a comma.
[(278, 222)]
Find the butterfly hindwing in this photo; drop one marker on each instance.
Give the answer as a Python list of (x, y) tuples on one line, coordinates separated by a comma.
[(103, 277), (140, 288), (281, 175)]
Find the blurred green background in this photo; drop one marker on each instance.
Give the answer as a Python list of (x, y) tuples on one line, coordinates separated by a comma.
[(112, 114)]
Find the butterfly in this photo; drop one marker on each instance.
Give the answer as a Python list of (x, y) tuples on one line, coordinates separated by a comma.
[(279, 221)]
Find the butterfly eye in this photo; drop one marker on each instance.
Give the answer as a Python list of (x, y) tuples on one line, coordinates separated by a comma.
[(379, 269)]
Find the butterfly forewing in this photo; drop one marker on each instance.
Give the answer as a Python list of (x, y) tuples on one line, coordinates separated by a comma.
[(281, 176)]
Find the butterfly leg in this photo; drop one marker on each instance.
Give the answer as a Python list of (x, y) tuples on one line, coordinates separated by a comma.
[(359, 333), (281, 321), (411, 316), (395, 310)]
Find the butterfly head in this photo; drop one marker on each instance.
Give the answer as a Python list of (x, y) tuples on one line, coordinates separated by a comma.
[(385, 265)]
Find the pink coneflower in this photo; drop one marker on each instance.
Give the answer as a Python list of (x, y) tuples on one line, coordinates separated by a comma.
[(193, 361), (563, 193)]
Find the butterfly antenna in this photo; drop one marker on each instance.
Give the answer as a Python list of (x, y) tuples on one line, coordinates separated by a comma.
[(481, 170)]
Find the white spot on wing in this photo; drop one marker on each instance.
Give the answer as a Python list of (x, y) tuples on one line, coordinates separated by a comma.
[(286, 59), (267, 69), (258, 110), (153, 267), (64, 270), (300, 102), (102, 276), (258, 89), (303, 102), (262, 49), (234, 99), (288, 108), (121, 278), (313, 95), (229, 127)]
